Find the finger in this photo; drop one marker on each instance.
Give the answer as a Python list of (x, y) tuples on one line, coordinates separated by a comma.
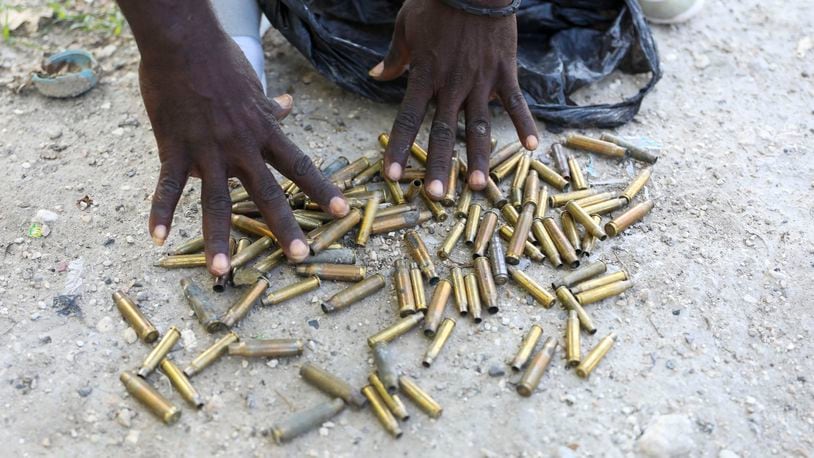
[(442, 141), (171, 182), (281, 106), (515, 104), (478, 139), (217, 208), (407, 122), (273, 205), (398, 56)]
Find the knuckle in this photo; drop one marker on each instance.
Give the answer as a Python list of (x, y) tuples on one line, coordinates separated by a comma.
[(407, 119), (516, 101), (442, 133), (269, 192), (218, 205), (303, 166), (478, 128), (169, 187)]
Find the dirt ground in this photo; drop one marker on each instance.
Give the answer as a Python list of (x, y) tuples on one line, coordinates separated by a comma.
[(713, 356)]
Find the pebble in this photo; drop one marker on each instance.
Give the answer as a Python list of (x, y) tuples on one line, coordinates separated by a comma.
[(132, 437), (129, 336), (189, 339), (667, 436), (105, 324), (124, 417), (496, 370), (85, 391)]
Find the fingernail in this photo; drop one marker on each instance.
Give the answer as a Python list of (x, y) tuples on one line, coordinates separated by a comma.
[(531, 143), (339, 207), (285, 101), (477, 179), (220, 264), (394, 172), (435, 188), (377, 70), (159, 235), (297, 250)]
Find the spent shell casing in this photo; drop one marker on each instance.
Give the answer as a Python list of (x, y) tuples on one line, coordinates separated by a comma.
[(558, 200), (266, 348), (181, 261), (486, 285), (159, 351), (412, 173), (542, 203), (354, 293), (193, 245), (133, 316), (573, 353), (504, 153), (531, 188), (205, 311), (510, 214), (396, 330), (301, 422), (633, 150), (520, 234), (448, 199), (560, 160), (181, 383), (464, 201), (366, 190), (251, 226), (307, 223), (436, 307), (371, 209), (396, 193), (473, 297), (569, 228), (441, 338), (585, 272), (291, 291), (368, 173), (588, 242), (453, 236), (240, 245), (386, 367), (564, 247), (437, 210), (530, 250), (333, 256), (419, 153), (570, 303), (394, 210), (580, 216), (349, 172), (526, 347), (413, 190), (494, 194), (497, 261), (592, 359), (578, 181), (546, 244), (382, 413), (603, 292), (628, 218), (499, 172), (404, 220), (404, 288), (418, 251), (486, 229), (391, 400), (548, 175), (155, 402), (472, 221), (238, 194), (417, 285), (637, 184), (599, 281), (594, 199), (459, 290), (593, 145), (335, 230), (331, 384), (419, 397), (521, 170), (211, 354), (241, 308), (334, 166), (252, 251), (249, 275), (335, 272), (318, 215), (534, 372), (536, 290), (601, 208)]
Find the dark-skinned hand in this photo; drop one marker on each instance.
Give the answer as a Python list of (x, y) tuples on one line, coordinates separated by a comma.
[(461, 61)]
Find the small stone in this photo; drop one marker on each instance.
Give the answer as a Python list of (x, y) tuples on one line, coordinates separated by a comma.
[(496, 370), (188, 338), (105, 324), (132, 437), (324, 432), (667, 436), (130, 240), (124, 417), (85, 391), (272, 363), (129, 336), (314, 323)]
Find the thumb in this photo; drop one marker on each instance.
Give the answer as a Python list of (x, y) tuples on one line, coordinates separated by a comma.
[(397, 59)]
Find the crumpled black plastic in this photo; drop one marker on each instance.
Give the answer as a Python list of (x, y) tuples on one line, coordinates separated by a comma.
[(562, 46)]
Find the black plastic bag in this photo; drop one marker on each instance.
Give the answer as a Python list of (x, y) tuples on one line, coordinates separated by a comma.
[(562, 46)]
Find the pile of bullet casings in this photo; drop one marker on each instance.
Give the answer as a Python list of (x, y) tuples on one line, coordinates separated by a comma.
[(381, 206)]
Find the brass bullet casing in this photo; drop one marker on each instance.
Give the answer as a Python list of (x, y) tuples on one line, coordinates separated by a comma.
[(600, 208), (249, 275), (437, 210), (133, 316), (628, 218), (636, 152), (181, 261), (510, 214), (588, 242), (266, 348), (464, 201), (531, 190), (459, 290), (242, 244), (291, 291), (251, 226), (417, 151), (331, 255), (452, 182), (637, 184), (579, 215), (159, 351), (335, 230), (385, 417), (386, 367), (205, 310), (519, 179), (592, 359), (335, 272), (546, 244), (472, 221), (238, 194), (371, 209), (368, 173), (520, 235), (334, 166), (494, 194), (354, 293), (404, 288), (193, 245), (473, 297), (593, 145), (420, 397), (560, 160), (497, 261), (439, 341), (181, 383), (603, 292), (530, 250), (569, 228), (594, 199), (499, 172), (578, 181), (599, 281), (570, 303), (396, 330), (526, 347), (307, 223), (504, 153), (413, 190), (410, 173), (391, 400), (486, 285), (585, 272), (155, 402), (564, 247), (536, 290), (301, 422), (366, 191), (572, 345), (394, 210), (417, 284), (435, 310), (534, 372), (486, 229), (331, 385), (420, 254), (252, 251), (542, 203), (453, 236), (318, 215), (396, 193), (558, 200), (211, 354), (349, 172), (548, 175), (241, 308), (404, 220)]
